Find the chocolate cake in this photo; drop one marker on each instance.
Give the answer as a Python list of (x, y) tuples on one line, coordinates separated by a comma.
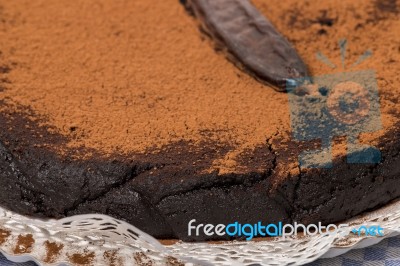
[(125, 108)]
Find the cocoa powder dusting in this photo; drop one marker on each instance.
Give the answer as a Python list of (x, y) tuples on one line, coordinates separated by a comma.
[(123, 76), (171, 261), (112, 258), (24, 244), (4, 235), (52, 251), (84, 259), (142, 259)]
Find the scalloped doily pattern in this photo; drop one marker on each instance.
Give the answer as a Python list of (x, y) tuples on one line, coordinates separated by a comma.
[(103, 240)]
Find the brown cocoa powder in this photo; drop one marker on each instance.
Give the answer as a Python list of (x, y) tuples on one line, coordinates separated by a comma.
[(53, 250), (24, 244), (142, 259), (4, 235), (86, 258), (123, 76), (111, 256), (172, 261)]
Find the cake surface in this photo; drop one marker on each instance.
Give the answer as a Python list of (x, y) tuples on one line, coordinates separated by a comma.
[(124, 108)]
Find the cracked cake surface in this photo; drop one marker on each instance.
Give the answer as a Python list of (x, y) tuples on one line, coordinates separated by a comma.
[(124, 108)]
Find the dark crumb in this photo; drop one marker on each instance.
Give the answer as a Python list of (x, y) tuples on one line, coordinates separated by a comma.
[(382, 9), (387, 6), (325, 20), (4, 69)]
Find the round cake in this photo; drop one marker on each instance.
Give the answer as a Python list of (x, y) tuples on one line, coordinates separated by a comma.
[(126, 108)]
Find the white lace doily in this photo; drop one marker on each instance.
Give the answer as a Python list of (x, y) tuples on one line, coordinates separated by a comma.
[(103, 240)]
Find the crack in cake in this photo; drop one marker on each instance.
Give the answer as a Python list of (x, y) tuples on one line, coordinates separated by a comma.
[(123, 108)]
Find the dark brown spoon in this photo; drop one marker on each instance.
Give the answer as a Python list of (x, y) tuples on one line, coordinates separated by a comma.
[(250, 40)]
